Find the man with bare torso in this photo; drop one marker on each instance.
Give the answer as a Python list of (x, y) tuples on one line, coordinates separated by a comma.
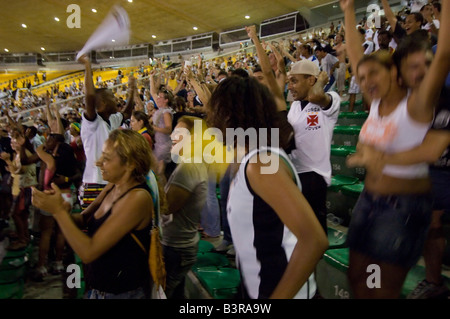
[(341, 66)]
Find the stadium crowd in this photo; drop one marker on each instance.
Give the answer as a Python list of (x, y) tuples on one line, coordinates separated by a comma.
[(66, 160)]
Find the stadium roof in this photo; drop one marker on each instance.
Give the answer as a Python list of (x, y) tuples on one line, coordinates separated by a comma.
[(46, 27)]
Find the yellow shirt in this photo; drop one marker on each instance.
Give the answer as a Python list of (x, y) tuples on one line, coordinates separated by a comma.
[(173, 83)]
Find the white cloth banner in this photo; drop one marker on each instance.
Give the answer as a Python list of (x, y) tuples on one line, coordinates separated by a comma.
[(116, 26)]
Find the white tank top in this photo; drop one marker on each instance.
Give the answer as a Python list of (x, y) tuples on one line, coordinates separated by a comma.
[(395, 133), (264, 245)]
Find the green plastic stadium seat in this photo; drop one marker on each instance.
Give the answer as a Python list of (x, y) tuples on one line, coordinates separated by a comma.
[(205, 246), (209, 259), (13, 270), (220, 283), (345, 135), (331, 274), (336, 238)]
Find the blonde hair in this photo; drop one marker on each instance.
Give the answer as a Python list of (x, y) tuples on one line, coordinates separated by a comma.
[(133, 149)]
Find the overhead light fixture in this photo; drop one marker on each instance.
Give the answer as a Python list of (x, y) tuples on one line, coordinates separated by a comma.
[(247, 17), (24, 25), (94, 10), (42, 48), (130, 1), (195, 28), (113, 40), (56, 19), (154, 36), (6, 50)]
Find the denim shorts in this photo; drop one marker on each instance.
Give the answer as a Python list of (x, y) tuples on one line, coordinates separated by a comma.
[(390, 228)]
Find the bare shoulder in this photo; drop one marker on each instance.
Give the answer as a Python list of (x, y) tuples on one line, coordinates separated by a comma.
[(265, 166), (137, 197)]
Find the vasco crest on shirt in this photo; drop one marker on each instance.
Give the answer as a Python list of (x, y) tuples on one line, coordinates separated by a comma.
[(312, 121)]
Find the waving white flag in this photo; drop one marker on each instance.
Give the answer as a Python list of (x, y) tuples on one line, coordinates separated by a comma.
[(116, 26)]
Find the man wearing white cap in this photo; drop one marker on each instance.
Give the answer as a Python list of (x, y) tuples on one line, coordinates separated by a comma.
[(313, 115)]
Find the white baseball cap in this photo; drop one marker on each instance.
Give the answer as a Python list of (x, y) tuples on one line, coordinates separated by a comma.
[(305, 67)]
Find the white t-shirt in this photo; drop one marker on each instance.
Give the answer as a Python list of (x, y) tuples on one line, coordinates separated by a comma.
[(313, 129), (327, 63), (369, 47), (182, 231), (369, 35), (312, 58), (428, 25), (93, 135)]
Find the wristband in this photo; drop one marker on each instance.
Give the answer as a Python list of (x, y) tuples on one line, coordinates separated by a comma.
[(66, 179)]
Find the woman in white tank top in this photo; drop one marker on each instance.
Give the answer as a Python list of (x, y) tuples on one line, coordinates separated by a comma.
[(162, 121), (277, 237), (391, 218)]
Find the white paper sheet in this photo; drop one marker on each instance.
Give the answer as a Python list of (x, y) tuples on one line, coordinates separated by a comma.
[(116, 26)]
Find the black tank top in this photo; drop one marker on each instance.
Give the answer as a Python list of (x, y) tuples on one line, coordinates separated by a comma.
[(125, 266)]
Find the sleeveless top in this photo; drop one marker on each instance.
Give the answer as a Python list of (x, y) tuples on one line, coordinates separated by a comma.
[(25, 176), (124, 267), (263, 243), (396, 132), (163, 142)]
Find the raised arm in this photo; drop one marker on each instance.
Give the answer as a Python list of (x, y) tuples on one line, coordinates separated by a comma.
[(130, 98), (89, 89), (180, 84), (51, 118), (390, 16), (204, 94), (354, 46), (47, 158), (317, 94), (428, 17), (26, 159), (267, 69), (139, 104), (13, 124), (153, 90), (200, 63), (422, 101), (281, 74), (289, 56)]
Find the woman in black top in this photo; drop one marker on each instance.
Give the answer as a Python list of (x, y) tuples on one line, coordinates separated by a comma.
[(116, 267)]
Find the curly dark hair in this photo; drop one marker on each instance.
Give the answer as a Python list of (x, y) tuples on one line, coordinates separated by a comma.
[(242, 102)]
